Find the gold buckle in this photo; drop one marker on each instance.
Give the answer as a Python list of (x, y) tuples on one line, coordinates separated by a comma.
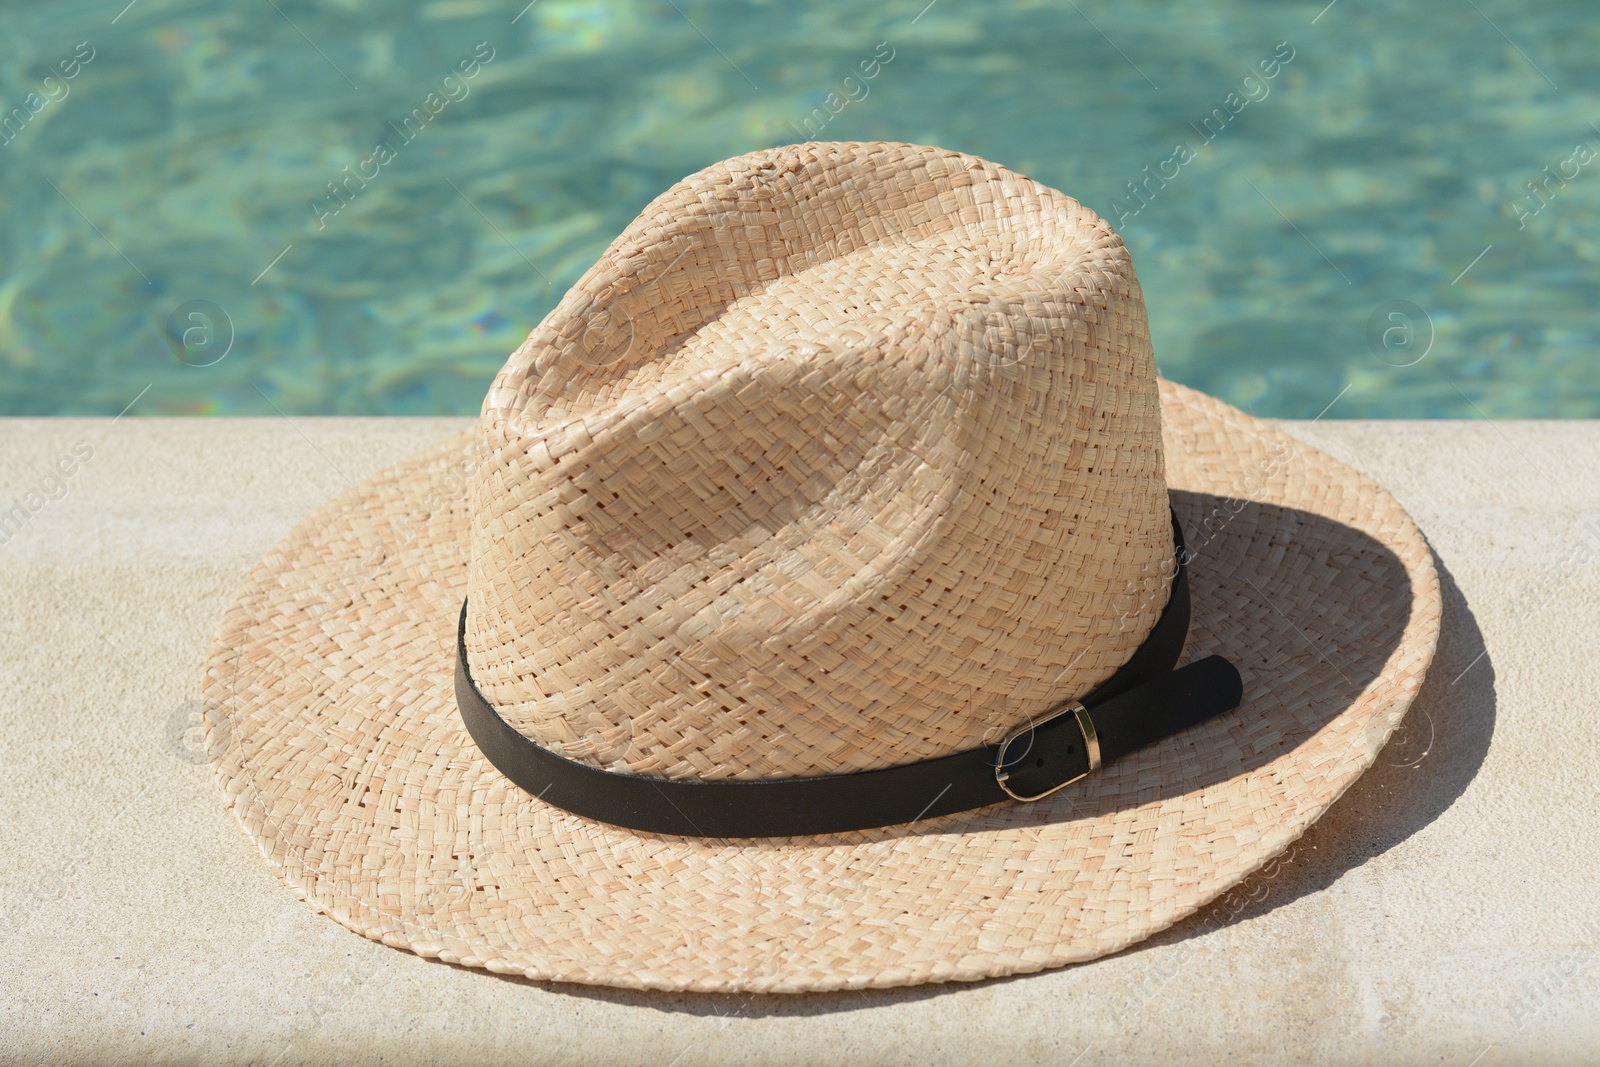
[(1091, 745)]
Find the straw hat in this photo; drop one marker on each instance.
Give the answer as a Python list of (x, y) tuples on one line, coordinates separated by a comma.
[(843, 457)]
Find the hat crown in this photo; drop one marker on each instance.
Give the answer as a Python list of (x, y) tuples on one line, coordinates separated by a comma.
[(842, 456)]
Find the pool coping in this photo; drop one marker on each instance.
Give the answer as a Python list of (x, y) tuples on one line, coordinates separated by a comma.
[(1444, 908)]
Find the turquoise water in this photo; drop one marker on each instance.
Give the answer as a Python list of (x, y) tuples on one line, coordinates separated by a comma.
[(1356, 229)]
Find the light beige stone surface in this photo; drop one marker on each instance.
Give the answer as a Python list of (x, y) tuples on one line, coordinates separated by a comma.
[(1446, 910)]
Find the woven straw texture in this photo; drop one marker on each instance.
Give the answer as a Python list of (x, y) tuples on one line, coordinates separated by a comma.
[(842, 455), (777, 492), (331, 719)]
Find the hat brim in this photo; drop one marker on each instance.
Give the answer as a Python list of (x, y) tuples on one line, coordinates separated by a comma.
[(332, 724)]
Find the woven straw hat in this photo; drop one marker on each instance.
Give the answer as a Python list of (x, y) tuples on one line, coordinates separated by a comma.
[(842, 457)]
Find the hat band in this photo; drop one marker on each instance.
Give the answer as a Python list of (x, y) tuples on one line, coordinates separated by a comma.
[(1144, 701)]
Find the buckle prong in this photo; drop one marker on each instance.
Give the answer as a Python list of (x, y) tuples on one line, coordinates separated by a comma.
[(1091, 745)]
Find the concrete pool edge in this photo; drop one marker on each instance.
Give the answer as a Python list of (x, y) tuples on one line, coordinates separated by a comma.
[(1444, 906)]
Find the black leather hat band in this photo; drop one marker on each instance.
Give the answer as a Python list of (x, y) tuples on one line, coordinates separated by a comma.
[(1144, 701)]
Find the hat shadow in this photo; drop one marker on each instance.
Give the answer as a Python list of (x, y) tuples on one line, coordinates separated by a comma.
[(1302, 662), (1429, 761), (1426, 764)]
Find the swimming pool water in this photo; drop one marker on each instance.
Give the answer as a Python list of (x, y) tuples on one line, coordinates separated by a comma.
[(1377, 210)]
